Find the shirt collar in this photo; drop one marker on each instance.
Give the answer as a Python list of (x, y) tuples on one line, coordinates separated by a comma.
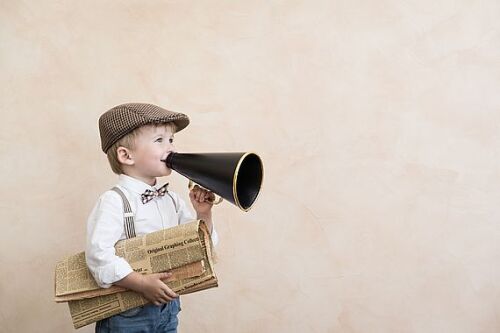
[(136, 185)]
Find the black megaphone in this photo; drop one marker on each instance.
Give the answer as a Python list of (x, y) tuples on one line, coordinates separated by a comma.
[(236, 177)]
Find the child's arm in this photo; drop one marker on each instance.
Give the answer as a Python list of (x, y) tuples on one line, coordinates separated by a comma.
[(104, 229), (151, 286), (186, 214)]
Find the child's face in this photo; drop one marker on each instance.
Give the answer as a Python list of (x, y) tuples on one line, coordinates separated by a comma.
[(152, 145)]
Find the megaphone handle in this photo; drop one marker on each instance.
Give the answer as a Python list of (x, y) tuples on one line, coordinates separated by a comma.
[(192, 184)]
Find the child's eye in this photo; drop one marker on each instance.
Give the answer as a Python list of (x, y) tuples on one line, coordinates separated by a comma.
[(159, 140), (171, 140)]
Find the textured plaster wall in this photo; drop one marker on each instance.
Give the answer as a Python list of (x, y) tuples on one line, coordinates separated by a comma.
[(377, 121)]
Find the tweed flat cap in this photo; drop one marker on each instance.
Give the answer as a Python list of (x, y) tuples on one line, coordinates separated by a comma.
[(117, 122)]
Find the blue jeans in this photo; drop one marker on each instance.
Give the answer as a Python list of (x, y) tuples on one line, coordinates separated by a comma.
[(144, 319)]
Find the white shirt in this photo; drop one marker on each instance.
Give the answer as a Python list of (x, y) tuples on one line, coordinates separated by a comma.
[(105, 226)]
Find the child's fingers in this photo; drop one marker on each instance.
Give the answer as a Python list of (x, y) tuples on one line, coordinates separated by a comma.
[(165, 276), (169, 293), (160, 300), (201, 195), (161, 276), (164, 298), (196, 191), (192, 195), (210, 196)]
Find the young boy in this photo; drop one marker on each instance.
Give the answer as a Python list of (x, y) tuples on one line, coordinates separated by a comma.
[(136, 138)]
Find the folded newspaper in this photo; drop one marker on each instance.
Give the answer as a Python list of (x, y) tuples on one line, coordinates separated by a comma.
[(185, 251)]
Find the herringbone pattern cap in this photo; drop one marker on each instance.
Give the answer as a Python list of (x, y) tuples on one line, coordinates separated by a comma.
[(117, 122)]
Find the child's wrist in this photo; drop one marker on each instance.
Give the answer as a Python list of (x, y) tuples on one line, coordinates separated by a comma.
[(141, 283), (203, 216)]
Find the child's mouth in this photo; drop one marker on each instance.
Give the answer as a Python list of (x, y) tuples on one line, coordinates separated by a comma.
[(166, 155), (164, 160)]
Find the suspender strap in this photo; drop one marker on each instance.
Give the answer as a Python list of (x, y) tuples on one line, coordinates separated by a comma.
[(128, 216), (173, 201)]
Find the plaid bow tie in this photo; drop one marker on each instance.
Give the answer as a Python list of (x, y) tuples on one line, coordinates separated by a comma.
[(148, 195)]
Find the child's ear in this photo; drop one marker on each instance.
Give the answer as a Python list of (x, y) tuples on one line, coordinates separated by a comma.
[(124, 156)]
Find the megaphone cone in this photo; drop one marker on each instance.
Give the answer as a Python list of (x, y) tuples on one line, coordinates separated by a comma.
[(236, 177)]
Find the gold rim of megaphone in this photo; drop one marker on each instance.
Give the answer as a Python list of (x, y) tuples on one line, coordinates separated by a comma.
[(235, 177), (192, 184)]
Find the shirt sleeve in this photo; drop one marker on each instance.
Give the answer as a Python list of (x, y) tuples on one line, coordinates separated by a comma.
[(104, 229), (186, 215)]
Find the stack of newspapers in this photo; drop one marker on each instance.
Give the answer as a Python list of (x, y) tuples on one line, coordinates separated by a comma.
[(185, 251)]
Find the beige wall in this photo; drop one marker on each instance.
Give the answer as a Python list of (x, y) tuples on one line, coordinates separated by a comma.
[(377, 121)]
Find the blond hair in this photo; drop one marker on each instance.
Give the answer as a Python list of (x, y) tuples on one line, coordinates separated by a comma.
[(128, 141)]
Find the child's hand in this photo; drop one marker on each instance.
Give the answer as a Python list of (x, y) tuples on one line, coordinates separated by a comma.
[(155, 290), (198, 197)]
